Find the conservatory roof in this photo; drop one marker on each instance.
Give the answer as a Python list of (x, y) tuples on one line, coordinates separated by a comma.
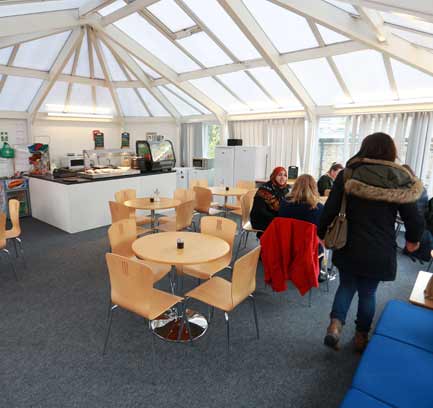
[(177, 58)]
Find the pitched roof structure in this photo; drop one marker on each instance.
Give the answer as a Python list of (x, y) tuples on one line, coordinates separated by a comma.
[(183, 58)]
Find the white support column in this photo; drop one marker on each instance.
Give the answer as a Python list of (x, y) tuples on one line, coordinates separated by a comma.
[(60, 62), (251, 29)]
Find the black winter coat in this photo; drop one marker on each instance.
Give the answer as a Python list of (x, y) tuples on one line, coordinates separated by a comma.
[(370, 250)]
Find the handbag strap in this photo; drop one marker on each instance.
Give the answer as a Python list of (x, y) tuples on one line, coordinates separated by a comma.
[(347, 175)]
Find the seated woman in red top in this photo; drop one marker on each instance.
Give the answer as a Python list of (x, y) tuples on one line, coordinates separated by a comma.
[(267, 199)]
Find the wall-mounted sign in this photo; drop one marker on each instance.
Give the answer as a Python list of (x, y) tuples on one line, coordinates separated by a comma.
[(98, 138), (124, 140)]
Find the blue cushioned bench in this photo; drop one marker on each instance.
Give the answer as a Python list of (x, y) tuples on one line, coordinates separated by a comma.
[(396, 369)]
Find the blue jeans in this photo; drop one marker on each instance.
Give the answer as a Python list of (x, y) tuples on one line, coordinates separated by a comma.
[(366, 288)]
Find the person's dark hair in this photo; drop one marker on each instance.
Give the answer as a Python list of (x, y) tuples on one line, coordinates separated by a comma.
[(378, 146), (409, 169), (335, 166)]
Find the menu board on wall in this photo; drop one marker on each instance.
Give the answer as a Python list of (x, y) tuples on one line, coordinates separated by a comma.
[(124, 140), (98, 138)]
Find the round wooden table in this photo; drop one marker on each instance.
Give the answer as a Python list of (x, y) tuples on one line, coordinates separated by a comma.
[(146, 204), (162, 248), (231, 192)]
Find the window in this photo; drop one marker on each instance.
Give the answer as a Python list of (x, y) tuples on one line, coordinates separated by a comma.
[(211, 138), (331, 143)]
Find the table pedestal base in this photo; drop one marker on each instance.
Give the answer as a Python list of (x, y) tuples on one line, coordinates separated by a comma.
[(168, 324)]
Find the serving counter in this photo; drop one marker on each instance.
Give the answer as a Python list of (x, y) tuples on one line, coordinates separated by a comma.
[(83, 205)]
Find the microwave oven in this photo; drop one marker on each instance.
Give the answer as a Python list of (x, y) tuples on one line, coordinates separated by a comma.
[(75, 162), (202, 163)]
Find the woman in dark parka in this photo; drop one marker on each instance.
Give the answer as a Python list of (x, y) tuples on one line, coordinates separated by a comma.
[(378, 188)]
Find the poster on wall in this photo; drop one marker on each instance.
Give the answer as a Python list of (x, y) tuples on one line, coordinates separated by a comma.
[(125, 140), (98, 138)]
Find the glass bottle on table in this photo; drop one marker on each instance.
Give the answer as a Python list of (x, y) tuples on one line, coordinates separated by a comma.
[(156, 195)]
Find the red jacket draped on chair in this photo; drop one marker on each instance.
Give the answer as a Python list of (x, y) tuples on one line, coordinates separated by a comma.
[(290, 252)]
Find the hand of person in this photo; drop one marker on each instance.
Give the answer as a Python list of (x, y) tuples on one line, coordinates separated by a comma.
[(412, 246), (326, 192)]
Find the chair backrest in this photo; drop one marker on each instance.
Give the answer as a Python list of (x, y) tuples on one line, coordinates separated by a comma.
[(121, 235), (14, 214), (184, 214), (246, 205), (219, 227), (203, 199), (2, 230), (120, 212), (125, 195), (247, 184), (199, 183), (244, 276), (131, 283), (183, 195)]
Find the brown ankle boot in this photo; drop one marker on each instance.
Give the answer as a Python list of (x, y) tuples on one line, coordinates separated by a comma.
[(333, 334), (360, 341)]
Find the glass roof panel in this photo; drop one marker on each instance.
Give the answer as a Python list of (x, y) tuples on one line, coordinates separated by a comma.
[(81, 99), (154, 106), (112, 7), (112, 65), (41, 53), (343, 6), (149, 71), (276, 87), (55, 100), (205, 50), (171, 15), (83, 59), (369, 83), (68, 67), (414, 38), (219, 94), (104, 101), (39, 7), (183, 108), (5, 53), (131, 104), (217, 20), (331, 36), (412, 83), (319, 81), (407, 21), (287, 31), (247, 90), (190, 100), (97, 69), (141, 31), (18, 93)]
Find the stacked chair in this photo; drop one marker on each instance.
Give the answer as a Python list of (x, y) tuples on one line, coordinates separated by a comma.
[(126, 195)]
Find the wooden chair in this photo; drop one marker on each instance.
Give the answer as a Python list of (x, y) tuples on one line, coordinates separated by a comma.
[(130, 194), (247, 185), (132, 289), (183, 195), (224, 295), (219, 227), (3, 242), (15, 232), (121, 212), (246, 227), (199, 183), (182, 220), (203, 201)]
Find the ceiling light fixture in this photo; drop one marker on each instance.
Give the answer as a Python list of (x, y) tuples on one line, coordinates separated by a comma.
[(79, 115)]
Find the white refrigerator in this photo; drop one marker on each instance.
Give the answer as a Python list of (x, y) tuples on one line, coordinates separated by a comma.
[(234, 163)]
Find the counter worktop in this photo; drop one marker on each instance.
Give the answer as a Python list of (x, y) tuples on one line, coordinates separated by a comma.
[(81, 180)]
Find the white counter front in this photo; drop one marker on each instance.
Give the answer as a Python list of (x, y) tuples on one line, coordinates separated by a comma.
[(80, 207)]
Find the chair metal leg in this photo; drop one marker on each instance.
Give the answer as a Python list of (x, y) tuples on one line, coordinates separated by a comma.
[(226, 316), (153, 354), (239, 244), (253, 302), (11, 263), (246, 239), (20, 244), (210, 313), (15, 247), (110, 319)]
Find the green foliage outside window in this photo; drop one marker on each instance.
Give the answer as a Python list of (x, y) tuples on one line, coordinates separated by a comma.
[(213, 139)]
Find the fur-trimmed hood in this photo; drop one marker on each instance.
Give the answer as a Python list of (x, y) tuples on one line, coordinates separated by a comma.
[(380, 180)]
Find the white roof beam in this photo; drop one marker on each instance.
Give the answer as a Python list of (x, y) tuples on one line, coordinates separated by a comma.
[(93, 6), (22, 38), (28, 23), (60, 62), (375, 21), (10, 62), (358, 30), (157, 65), (249, 26), (107, 75), (143, 80), (73, 70), (126, 11), (91, 65), (390, 75)]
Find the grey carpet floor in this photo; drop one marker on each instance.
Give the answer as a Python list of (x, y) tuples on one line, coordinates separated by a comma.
[(53, 321)]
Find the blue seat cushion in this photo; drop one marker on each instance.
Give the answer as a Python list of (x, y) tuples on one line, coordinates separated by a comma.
[(407, 323), (396, 373), (357, 399)]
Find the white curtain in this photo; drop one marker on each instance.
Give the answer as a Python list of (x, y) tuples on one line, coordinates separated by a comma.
[(191, 142), (285, 138)]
